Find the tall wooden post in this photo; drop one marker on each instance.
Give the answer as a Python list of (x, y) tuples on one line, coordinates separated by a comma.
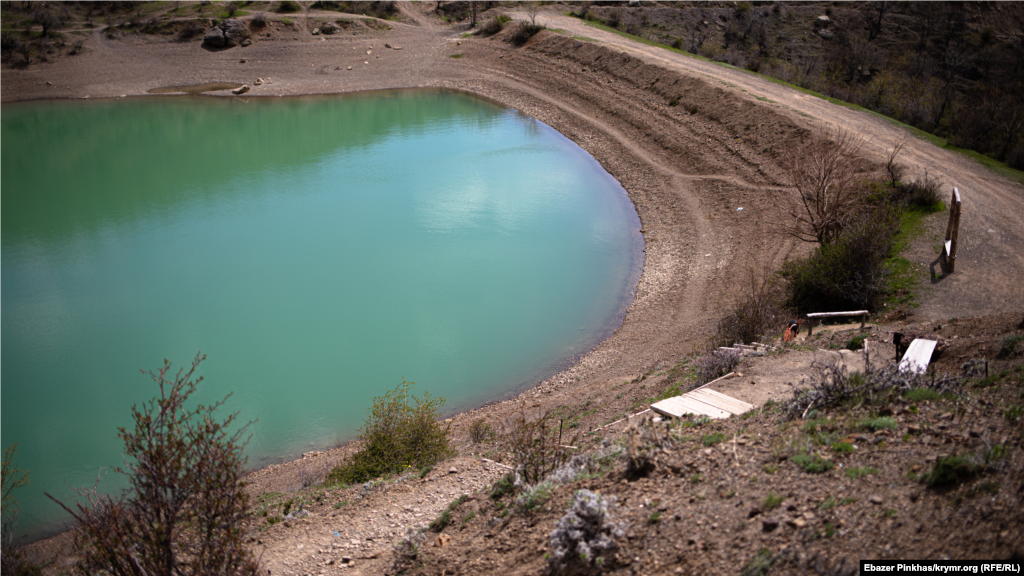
[(952, 230)]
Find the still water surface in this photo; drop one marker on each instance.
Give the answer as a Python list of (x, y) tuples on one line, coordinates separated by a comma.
[(316, 249)]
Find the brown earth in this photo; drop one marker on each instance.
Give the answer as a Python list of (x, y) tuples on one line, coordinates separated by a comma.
[(687, 168)]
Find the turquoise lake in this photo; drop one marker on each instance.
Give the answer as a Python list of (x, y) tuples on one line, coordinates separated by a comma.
[(318, 250)]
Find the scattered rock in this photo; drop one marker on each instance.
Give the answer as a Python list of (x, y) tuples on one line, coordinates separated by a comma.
[(242, 61), (826, 34), (823, 21), (349, 68), (316, 31), (797, 523), (241, 89), (876, 499), (246, 42), (442, 540), (258, 82), (330, 29), (634, 3), (453, 470), (769, 524), (387, 45)]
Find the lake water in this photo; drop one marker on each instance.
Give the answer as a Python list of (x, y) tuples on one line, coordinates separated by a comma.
[(316, 249)]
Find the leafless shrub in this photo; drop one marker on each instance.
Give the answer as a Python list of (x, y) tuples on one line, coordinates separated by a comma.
[(584, 533), (824, 189), (715, 364), (480, 431), (893, 170), (259, 21), (760, 311), (183, 512), (832, 385), (536, 446), (644, 440)]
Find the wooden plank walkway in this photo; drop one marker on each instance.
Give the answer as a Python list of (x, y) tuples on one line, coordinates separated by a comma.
[(703, 402), (918, 356)]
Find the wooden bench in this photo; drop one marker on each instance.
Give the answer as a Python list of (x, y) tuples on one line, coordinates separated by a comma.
[(811, 317), (918, 356)]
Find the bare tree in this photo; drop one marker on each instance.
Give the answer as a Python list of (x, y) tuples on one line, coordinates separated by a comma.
[(875, 26), (531, 10), (184, 513), (824, 190), (892, 169)]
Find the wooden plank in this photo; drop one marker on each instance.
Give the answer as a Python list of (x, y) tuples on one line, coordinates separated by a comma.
[(834, 314), (681, 405), (918, 356), (723, 401)]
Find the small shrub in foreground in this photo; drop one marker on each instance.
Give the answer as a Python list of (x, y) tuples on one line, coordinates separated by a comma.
[(536, 447), (400, 431), (584, 533), (772, 501)]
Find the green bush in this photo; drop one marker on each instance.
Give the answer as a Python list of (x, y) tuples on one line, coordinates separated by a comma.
[(1009, 345), (856, 343), (288, 6), (523, 32), (950, 470), (847, 273), (494, 25), (401, 431)]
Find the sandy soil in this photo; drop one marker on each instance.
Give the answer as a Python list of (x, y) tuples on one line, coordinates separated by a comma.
[(687, 168)]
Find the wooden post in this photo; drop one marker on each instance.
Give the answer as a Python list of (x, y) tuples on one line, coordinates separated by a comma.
[(863, 318), (952, 230)]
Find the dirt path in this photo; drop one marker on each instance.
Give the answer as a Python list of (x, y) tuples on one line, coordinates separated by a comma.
[(991, 255)]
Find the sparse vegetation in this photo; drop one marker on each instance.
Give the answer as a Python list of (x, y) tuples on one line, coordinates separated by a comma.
[(715, 364), (812, 464), (772, 501)]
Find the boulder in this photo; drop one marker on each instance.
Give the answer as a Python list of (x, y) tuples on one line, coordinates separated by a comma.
[(214, 38), (330, 28), (241, 89), (823, 21), (227, 34), (826, 34)]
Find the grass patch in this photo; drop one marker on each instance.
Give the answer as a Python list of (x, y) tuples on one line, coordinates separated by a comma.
[(760, 564), (854, 473), (584, 38), (812, 464), (442, 521), (842, 447), (879, 423), (1014, 413), (712, 439), (456, 56), (772, 501), (922, 395)]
